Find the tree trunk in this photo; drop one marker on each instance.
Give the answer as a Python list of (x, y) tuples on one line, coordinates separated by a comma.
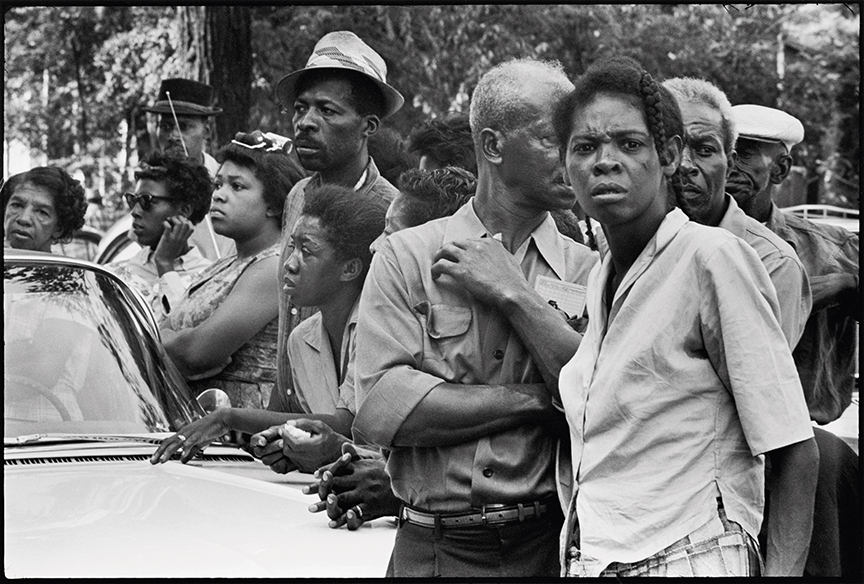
[(230, 57), (217, 41)]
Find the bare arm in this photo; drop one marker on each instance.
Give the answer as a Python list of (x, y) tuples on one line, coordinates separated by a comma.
[(794, 471), (198, 434), (454, 414), (251, 304)]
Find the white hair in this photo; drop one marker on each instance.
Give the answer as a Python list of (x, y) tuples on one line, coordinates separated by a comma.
[(497, 100), (702, 91)]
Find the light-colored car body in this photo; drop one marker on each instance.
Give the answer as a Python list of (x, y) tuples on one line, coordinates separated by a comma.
[(104, 511), (81, 498)]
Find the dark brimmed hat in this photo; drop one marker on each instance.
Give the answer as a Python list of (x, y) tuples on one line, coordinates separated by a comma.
[(190, 98), (343, 50)]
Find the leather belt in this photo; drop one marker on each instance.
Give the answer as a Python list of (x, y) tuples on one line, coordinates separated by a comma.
[(488, 515)]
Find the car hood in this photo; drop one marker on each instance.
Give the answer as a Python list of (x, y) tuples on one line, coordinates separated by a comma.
[(125, 517)]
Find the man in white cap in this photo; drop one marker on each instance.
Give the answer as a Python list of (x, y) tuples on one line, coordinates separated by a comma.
[(825, 355), (338, 101), (705, 163), (458, 346)]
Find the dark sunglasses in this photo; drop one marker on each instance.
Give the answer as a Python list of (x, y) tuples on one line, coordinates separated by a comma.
[(145, 200)]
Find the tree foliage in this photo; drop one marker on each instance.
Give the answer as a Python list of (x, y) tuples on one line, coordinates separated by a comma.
[(100, 65)]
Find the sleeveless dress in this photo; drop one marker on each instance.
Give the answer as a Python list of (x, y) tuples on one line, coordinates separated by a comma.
[(250, 375)]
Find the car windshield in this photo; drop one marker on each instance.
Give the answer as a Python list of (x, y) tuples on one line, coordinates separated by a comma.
[(81, 358)]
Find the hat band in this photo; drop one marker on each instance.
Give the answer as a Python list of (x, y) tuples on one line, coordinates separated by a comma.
[(183, 104), (333, 57)]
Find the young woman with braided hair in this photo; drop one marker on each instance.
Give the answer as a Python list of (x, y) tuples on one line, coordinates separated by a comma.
[(684, 378)]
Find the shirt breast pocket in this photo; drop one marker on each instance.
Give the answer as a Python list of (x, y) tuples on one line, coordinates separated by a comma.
[(446, 329)]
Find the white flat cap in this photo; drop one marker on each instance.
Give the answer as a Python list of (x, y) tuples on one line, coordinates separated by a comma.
[(766, 124)]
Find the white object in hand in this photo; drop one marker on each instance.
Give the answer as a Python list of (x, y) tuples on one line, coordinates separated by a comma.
[(296, 432)]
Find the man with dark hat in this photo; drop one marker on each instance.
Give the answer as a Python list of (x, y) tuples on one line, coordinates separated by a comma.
[(184, 107), (339, 99)]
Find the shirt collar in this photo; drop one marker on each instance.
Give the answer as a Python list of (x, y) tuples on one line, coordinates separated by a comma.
[(734, 220), (371, 176), (316, 336), (669, 228), (465, 224)]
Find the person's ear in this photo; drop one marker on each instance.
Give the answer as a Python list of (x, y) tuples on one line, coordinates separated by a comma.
[(781, 168), (351, 270), (672, 155), (273, 211), (184, 209), (731, 159), (491, 142), (371, 125)]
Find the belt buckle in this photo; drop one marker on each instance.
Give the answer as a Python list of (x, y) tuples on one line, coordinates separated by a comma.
[(490, 507)]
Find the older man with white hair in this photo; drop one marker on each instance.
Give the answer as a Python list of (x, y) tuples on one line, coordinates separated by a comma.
[(459, 345), (705, 163)]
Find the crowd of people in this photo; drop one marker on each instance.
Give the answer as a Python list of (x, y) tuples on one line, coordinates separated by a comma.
[(578, 339)]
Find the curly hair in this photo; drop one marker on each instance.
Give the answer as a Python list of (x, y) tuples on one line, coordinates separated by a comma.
[(277, 171), (70, 202), (497, 100), (387, 149), (351, 220), (446, 140), (428, 195), (690, 89), (186, 181)]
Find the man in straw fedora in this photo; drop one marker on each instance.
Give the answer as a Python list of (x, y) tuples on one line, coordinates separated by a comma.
[(338, 101)]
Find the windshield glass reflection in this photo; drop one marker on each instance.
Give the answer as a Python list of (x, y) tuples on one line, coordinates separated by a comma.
[(79, 360)]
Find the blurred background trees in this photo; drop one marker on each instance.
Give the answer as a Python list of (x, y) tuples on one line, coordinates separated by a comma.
[(78, 76)]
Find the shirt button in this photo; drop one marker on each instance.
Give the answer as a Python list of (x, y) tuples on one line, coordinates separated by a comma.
[(498, 354), (294, 311), (487, 472)]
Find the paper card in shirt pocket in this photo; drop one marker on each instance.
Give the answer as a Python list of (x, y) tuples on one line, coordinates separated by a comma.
[(567, 296)]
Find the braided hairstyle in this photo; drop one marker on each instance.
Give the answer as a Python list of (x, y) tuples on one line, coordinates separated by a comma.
[(625, 76)]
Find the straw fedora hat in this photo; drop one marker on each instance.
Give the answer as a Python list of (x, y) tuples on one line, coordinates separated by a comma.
[(189, 98), (343, 50)]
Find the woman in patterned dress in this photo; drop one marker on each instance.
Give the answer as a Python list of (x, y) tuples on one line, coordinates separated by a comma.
[(223, 333)]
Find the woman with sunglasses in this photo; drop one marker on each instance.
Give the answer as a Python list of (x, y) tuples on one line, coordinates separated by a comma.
[(223, 331), (43, 205), (171, 195)]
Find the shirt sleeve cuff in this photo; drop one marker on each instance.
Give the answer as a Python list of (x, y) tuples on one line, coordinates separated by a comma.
[(171, 288)]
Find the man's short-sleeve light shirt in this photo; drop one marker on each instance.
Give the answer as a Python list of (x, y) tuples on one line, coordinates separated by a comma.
[(415, 333)]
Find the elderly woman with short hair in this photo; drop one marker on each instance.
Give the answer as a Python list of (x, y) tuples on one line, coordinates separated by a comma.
[(43, 205)]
